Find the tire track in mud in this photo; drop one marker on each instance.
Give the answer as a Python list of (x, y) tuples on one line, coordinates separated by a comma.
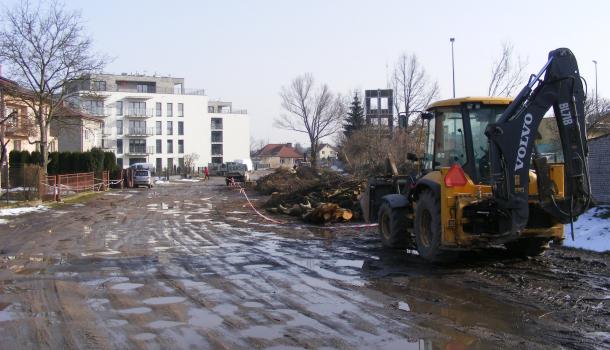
[(185, 266)]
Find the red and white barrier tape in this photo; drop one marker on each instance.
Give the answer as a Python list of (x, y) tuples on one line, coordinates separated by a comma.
[(242, 190)]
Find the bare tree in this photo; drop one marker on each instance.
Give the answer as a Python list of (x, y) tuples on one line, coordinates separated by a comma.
[(598, 121), (317, 112), (256, 145), (507, 74), (45, 50), (413, 89), (189, 162)]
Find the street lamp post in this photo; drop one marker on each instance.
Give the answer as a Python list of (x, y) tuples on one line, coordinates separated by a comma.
[(596, 104), (452, 65)]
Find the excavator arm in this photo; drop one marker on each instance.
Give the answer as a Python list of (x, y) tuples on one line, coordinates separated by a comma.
[(511, 144)]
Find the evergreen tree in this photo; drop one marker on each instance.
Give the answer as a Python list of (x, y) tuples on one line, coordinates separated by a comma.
[(355, 117)]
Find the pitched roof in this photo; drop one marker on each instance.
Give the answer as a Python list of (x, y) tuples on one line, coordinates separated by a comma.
[(279, 150), (66, 111), (322, 145)]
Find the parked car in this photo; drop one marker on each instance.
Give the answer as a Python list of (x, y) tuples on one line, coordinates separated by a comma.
[(142, 178)]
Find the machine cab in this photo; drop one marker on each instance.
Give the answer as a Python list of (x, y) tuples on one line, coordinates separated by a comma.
[(456, 134)]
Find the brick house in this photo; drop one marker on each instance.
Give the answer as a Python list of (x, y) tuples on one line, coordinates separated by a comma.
[(278, 155)]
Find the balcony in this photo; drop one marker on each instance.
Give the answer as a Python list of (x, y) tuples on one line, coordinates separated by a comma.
[(97, 111), (140, 150), (216, 126), (140, 132), (139, 112), (168, 91)]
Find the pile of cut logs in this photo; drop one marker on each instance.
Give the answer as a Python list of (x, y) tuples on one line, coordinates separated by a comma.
[(322, 206)]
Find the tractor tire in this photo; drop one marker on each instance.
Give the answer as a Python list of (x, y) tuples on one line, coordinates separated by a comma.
[(393, 226), (527, 247), (427, 228)]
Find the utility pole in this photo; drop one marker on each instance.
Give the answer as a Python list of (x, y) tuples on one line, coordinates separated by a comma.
[(452, 65), (596, 104)]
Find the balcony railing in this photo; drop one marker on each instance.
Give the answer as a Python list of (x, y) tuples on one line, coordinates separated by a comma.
[(169, 91), (140, 150), (97, 111), (140, 131), (139, 112), (229, 111), (216, 139), (216, 126)]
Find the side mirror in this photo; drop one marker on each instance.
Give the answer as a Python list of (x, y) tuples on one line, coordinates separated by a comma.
[(412, 157), (426, 115)]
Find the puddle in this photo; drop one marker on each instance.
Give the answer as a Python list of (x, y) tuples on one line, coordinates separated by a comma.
[(349, 263), (161, 324), (135, 310), (116, 322), (163, 300), (225, 309), (144, 336), (126, 286), (203, 318), (97, 304), (253, 304), (263, 332)]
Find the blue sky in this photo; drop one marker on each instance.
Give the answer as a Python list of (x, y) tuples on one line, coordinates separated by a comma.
[(244, 51)]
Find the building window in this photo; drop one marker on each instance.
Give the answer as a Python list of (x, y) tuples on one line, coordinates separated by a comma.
[(159, 166), (181, 163), (97, 85), (136, 108), (158, 109), (170, 109), (17, 145), (119, 127), (181, 109), (217, 149), (137, 127), (142, 88), (158, 146), (180, 128), (180, 146), (93, 107), (170, 128), (170, 146), (170, 164), (216, 123), (137, 146), (210, 109), (119, 162), (119, 107), (216, 136), (119, 146), (158, 127)]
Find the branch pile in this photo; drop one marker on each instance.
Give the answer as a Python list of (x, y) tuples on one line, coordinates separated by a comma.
[(316, 198)]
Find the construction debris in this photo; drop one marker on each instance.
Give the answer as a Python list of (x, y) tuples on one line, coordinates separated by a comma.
[(322, 198)]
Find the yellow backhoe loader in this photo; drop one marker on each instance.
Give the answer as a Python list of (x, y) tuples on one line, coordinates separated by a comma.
[(486, 176)]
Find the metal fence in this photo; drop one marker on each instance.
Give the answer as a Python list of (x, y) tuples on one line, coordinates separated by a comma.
[(20, 182), (25, 182)]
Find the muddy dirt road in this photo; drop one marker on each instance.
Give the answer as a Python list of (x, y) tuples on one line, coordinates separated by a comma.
[(188, 265)]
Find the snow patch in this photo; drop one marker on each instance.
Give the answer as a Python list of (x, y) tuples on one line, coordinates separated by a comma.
[(21, 210), (591, 230)]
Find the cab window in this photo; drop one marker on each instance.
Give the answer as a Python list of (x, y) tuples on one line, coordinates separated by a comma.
[(449, 144), (480, 117)]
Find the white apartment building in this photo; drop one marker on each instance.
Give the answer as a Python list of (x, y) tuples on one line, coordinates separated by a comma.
[(156, 120)]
